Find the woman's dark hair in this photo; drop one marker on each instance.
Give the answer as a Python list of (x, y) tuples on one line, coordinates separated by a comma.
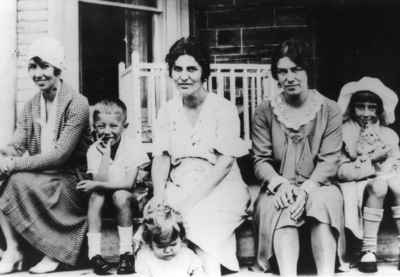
[(366, 96), (296, 50), (193, 47)]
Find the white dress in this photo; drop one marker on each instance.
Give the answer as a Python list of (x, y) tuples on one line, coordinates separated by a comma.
[(212, 221)]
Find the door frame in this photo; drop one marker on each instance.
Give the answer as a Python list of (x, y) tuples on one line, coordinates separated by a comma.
[(170, 21)]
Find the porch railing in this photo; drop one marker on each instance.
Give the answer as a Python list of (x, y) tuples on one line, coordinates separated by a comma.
[(144, 87)]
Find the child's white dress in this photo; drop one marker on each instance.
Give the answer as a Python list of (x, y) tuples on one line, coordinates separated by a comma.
[(185, 264)]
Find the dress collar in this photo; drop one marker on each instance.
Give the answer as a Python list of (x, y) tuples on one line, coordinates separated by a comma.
[(294, 118)]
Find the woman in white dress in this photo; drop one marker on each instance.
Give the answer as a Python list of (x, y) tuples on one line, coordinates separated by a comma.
[(196, 141)]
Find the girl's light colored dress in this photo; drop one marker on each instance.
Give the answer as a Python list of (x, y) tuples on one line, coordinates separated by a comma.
[(212, 221), (354, 184), (297, 147)]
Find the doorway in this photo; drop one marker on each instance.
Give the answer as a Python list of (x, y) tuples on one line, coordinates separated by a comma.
[(101, 49)]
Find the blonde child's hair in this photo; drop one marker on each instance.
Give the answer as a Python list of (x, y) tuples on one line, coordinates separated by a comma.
[(107, 106), (162, 224)]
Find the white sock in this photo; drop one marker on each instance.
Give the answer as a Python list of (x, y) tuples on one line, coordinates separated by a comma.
[(125, 239), (94, 244), (372, 218)]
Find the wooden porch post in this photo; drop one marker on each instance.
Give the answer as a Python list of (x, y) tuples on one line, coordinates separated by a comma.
[(8, 68), (171, 25), (64, 25)]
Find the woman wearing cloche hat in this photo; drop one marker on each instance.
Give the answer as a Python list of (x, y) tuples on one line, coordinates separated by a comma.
[(40, 168)]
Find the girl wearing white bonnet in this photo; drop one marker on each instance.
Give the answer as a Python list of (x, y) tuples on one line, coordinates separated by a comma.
[(370, 165), (41, 165)]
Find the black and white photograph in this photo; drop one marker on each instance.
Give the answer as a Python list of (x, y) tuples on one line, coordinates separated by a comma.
[(199, 138)]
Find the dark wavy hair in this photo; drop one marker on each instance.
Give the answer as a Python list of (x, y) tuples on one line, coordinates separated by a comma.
[(193, 47), (296, 50), (366, 96)]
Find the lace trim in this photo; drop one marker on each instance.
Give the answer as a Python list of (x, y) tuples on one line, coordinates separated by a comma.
[(294, 118)]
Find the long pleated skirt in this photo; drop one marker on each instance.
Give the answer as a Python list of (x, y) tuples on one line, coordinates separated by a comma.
[(47, 211), (324, 204)]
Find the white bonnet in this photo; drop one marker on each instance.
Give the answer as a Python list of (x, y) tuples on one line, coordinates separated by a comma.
[(49, 50), (389, 97)]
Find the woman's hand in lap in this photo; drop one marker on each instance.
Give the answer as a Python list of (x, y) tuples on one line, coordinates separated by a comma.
[(6, 165), (284, 196), (297, 208)]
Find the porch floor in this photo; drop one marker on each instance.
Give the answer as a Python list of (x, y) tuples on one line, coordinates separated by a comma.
[(384, 269)]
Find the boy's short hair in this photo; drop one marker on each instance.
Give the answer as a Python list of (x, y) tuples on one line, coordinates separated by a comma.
[(162, 224), (110, 106)]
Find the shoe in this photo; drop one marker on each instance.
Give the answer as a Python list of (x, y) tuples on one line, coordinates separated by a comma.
[(126, 264), (368, 263), (11, 262), (398, 265), (46, 265), (99, 265)]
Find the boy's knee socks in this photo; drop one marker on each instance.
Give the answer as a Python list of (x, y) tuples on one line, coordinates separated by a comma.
[(371, 218), (94, 244), (125, 239)]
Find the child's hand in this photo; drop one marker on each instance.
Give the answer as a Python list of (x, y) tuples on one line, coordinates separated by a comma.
[(87, 185), (104, 147)]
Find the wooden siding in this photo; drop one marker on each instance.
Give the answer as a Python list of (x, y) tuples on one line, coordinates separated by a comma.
[(32, 23)]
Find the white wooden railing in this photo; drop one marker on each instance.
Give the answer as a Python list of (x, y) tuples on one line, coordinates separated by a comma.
[(144, 87)]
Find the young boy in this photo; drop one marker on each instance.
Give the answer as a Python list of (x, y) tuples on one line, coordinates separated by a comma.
[(113, 162)]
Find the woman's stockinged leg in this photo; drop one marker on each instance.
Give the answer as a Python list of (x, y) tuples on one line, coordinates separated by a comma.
[(9, 234), (286, 249), (324, 245), (12, 258), (211, 267)]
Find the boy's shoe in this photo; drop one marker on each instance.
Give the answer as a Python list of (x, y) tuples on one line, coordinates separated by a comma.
[(126, 264), (367, 262), (99, 265)]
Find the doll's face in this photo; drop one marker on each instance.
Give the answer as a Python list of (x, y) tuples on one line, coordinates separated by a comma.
[(167, 251), (366, 113)]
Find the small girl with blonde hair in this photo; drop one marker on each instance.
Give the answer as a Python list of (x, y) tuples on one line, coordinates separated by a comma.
[(165, 252)]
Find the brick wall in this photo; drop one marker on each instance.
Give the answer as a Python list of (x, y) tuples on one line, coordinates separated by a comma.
[(247, 30)]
